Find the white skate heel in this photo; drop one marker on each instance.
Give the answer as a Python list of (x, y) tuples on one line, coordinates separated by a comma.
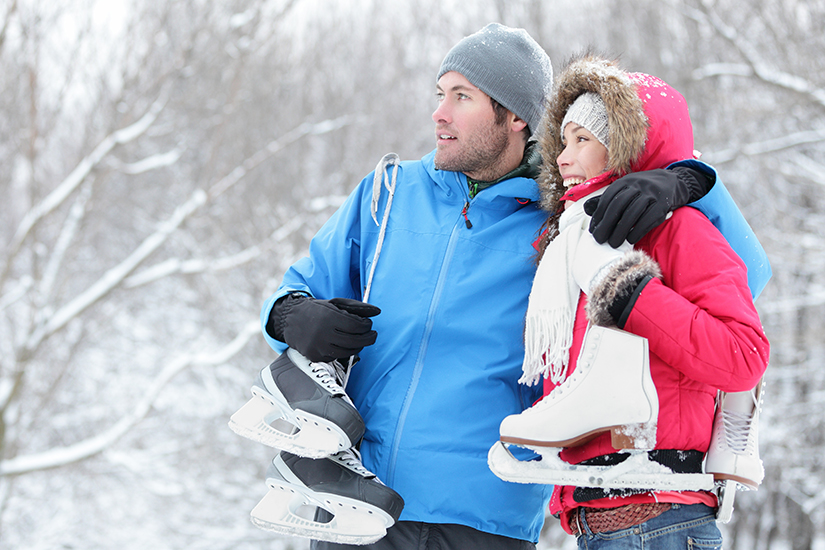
[(733, 455), (610, 390)]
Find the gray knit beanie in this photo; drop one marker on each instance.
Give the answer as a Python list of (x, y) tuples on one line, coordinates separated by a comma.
[(507, 65), (589, 112)]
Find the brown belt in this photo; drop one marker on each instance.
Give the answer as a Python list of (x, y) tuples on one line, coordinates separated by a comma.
[(602, 520)]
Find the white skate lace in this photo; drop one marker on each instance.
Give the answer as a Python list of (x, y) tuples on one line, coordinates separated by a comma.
[(737, 432), (584, 364), (352, 460), (559, 390), (328, 375)]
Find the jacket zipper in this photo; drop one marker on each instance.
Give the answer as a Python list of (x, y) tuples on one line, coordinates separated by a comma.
[(467, 221), (425, 341), (469, 195)]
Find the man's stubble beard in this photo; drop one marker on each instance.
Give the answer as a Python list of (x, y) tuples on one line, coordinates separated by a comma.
[(481, 156)]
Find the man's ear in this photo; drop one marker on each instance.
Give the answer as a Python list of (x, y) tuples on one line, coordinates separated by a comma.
[(516, 124)]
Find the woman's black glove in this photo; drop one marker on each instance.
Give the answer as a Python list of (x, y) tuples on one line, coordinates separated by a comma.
[(323, 330), (636, 203)]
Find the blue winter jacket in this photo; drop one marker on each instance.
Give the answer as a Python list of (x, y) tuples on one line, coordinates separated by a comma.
[(443, 372)]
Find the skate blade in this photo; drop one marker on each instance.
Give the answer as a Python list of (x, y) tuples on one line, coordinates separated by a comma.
[(637, 472), (726, 494), (264, 420), (288, 510)]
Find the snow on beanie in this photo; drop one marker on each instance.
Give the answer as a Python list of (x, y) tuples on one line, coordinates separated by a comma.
[(589, 112), (507, 65)]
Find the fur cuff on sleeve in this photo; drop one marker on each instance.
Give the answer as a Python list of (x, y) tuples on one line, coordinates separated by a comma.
[(618, 285)]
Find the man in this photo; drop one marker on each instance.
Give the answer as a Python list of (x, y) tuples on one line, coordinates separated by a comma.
[(439, 365)]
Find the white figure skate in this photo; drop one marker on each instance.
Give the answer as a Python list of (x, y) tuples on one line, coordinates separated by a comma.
[(733, 455), (332, 499), (612, 390), (300, 407)]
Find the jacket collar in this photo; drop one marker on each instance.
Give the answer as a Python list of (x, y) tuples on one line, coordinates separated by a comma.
[(519, 182)]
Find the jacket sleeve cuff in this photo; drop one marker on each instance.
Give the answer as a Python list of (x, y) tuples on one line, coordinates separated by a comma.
[(610, 302), (276, 317), (697, 183), (628, 307)]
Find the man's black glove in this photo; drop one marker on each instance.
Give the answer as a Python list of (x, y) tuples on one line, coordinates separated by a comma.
[(323, 330), (636, 203)]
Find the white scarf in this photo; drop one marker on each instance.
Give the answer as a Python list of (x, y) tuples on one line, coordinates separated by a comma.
[(551, 309)]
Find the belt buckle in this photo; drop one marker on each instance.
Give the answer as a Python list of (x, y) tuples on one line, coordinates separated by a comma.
[(579, 528)]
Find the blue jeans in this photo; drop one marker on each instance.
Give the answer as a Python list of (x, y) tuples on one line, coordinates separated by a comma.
[(684, 526)]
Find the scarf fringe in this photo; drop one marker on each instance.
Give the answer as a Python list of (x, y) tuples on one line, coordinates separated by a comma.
[(549, 336), (551, 308)]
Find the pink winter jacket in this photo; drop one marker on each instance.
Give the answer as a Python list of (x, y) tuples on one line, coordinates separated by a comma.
[(703, 334), (703, 330)]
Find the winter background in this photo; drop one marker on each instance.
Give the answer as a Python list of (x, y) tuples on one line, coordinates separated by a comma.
[(164, 162)]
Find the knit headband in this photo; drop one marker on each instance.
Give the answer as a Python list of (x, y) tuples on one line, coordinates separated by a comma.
[(589, 112)]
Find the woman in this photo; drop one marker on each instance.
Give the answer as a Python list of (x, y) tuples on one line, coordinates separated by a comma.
[(682, 289)]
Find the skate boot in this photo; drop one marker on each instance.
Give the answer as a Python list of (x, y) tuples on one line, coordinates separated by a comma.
[(733, 455), (332, 499), (300, 407), (610, 390)]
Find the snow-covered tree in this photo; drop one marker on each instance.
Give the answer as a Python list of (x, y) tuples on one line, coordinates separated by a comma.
[(164, 162)]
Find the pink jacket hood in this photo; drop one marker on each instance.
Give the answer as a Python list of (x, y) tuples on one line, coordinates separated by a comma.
[(649, 123)]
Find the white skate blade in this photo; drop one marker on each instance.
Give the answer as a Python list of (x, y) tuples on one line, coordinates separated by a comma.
[(289, 510), (265, 420), (637, 472), (727, 492)]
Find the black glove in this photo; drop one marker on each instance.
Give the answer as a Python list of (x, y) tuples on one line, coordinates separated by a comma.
[(636, 203), (323, 330)]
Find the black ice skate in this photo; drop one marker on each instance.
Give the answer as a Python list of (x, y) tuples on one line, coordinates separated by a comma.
[(300, 407), (304, 492)]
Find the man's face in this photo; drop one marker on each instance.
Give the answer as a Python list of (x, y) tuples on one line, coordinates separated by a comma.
[(467, 137)]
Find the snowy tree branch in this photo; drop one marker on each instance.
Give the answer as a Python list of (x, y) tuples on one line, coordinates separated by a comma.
[(804, 165), (161, 160), (275, 146), (66, 237), (794, 303), (763, 147), (176, 265), (116, 275), (81, 171), (54, 458), (6, 20), (757, 66)]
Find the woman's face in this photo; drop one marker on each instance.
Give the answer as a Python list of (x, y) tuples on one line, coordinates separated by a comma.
[(583, 157)]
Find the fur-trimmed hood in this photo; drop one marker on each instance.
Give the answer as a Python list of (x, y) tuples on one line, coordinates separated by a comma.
[(649, 122)]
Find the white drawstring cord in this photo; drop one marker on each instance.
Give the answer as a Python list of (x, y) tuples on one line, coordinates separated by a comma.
[(381, 178)]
